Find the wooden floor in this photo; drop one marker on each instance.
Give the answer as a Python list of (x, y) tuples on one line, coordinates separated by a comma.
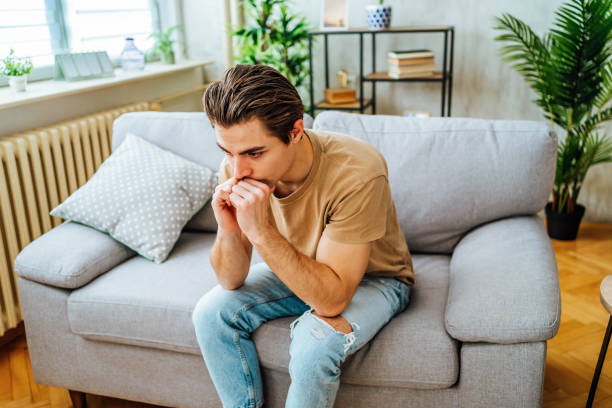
[(573, 352), (570, 361)]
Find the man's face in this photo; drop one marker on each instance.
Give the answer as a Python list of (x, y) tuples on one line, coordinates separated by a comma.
[(253, 152)]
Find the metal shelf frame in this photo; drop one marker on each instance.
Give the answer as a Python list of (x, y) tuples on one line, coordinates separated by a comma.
[(445, 77)]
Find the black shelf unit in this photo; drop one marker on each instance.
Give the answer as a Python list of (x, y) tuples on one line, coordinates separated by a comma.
[(445, 77)]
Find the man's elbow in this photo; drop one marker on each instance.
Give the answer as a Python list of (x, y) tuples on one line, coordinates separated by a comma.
[(230, 286), (332, 309), (334, 304)]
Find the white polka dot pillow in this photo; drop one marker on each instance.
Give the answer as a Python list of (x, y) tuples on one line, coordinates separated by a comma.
[(142, 196)]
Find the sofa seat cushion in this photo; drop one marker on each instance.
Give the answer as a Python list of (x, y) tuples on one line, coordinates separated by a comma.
[(150, 305)]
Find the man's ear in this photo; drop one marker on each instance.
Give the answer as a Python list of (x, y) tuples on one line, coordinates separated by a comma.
[(298, 131)]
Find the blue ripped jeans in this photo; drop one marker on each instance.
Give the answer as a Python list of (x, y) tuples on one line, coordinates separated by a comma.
[(224, 320)]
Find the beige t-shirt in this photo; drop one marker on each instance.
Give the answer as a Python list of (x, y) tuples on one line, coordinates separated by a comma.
[(345, 196)]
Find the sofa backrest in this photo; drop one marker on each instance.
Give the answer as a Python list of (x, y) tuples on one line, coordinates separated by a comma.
[(449, 175), (188, 134)]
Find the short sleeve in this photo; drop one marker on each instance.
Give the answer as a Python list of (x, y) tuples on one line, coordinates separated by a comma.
[(225, 171), (360, 216)]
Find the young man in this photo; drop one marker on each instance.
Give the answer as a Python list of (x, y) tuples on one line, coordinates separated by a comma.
[(317, 207)]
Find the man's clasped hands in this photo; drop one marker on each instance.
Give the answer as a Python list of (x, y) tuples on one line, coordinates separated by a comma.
[(243, 204)]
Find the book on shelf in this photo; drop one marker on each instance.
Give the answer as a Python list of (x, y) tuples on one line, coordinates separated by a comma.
[(413, 68), (408, 54), (397, 75), (409, 61)]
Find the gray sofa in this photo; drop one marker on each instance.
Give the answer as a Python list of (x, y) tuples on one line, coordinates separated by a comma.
[(101, 320)]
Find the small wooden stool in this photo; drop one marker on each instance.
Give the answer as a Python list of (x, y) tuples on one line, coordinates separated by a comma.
[(605, 295)]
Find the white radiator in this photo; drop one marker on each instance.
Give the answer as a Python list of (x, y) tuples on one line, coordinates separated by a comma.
[(39, 169)]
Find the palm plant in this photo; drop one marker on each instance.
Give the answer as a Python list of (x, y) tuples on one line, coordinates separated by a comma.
[(275, 38), (570, 69)]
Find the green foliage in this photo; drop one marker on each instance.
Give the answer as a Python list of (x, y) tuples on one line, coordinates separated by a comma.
[(163, 45), (13, 66), (570, 70), (275, 38)]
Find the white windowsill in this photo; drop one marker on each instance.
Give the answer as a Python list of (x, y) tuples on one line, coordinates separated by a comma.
[(46, 90)]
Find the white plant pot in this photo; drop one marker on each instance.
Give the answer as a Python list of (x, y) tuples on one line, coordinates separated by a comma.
[(18, 83), (378, 17)]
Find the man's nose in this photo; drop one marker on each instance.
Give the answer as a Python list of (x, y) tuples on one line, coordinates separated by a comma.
[(241, 168)]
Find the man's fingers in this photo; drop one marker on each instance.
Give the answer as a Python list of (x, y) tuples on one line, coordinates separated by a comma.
[(226, 185), (247, 191), (257, 183), (222, 196), (236, 200)]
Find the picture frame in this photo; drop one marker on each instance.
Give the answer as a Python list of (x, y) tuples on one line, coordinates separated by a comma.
[(334, 15)]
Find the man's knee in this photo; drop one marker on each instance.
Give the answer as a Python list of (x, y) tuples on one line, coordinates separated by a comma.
[(339, 323), (201, 312), (218, 302)]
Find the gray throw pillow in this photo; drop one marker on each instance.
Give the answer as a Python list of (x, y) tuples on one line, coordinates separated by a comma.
[(142, 196)]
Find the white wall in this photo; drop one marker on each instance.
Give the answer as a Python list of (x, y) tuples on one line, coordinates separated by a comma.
[(484, 86)]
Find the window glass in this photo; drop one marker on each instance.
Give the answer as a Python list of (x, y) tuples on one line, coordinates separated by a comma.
[(94, 25), (24, 27)]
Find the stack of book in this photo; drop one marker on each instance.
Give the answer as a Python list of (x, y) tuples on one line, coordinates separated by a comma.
[(411, 63)]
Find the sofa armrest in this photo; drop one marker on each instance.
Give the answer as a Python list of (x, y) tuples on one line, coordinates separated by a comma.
[(504, 284), (70, 256)]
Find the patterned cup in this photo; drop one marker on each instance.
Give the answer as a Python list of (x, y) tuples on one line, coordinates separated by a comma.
[(379, 17)]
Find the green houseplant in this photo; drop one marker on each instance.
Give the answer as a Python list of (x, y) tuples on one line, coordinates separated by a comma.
[(276, 38), (570, 70), (163, 45), (16, 70)]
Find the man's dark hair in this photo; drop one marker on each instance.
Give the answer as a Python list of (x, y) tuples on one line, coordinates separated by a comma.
[(247, 91)]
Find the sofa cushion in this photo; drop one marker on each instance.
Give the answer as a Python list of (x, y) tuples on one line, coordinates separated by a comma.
[(448, 175), (70, 255), (142, 196), (150, 305), (507, 268)]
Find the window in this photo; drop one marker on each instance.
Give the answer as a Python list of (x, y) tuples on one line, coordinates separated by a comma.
[(41, 28), (103, 25), (25, 27)]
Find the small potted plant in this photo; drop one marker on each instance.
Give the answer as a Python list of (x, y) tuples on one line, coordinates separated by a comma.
[(163, 46), (16, 70), (379, 16)]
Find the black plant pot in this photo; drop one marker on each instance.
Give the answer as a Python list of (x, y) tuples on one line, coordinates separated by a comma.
[(563, 226)]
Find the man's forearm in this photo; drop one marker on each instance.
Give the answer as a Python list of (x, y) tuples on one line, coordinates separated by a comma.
[(230, 259), (314, 282)]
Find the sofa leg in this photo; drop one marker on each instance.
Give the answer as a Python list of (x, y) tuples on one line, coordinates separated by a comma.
[(78, 399)]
